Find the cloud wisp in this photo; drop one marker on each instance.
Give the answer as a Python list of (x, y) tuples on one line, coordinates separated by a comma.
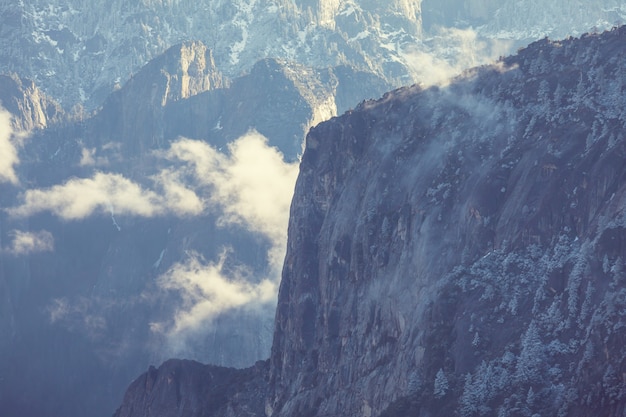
[(207, 290), (79, 198), (450, 52), (26, 243), (252, 185)]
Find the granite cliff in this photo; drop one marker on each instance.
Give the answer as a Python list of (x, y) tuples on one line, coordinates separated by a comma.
[(33, 109), (457, 250)]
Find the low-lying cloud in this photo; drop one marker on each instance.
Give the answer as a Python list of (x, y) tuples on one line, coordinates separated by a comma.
[(450, 52), (207, 290), (26, 243), (253, 186), (8, 149), (250, 186), (79, 198)]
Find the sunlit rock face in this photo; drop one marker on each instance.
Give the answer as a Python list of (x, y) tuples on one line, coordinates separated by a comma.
[(456, 250), (30, 107)]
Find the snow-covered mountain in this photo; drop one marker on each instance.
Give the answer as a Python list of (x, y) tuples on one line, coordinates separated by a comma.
[(78, 50)]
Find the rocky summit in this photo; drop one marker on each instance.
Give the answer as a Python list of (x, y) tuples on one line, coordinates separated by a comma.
[(456, 250)]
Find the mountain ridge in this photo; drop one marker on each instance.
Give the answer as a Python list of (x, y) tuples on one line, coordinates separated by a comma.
[(458, 249), (78, 52)]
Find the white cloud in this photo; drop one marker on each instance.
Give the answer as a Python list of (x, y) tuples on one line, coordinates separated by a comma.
[(207, 290), (252, 187), (451, 52), (80, 197), (24, 243), (89, 158), (103, 193), (8, 149), (252, 184), (175, 196)]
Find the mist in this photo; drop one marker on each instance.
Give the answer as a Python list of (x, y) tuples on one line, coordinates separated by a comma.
[(449, 52)]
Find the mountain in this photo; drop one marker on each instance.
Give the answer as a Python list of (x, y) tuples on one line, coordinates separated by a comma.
[(105, 220), (144, 216), (32, 109), (456, 250), (88, 47), (78, 51)]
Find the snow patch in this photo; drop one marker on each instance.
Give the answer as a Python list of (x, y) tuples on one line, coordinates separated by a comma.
[(361, 35), (242, 20), (349, 11), (157, 263)]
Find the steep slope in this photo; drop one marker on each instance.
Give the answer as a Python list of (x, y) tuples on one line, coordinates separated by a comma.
[(459, 250)]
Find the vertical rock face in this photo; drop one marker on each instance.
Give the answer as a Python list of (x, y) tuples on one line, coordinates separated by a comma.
[(458, 249)]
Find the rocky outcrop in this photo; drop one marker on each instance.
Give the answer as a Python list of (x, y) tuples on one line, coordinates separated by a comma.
[(459, 250), (31, 109), (137, 109), (187, 388)]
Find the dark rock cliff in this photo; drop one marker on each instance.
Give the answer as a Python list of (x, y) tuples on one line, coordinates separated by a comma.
[(190, 389), (460, 250)]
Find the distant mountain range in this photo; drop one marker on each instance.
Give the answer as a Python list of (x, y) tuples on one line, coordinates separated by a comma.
[(79, 51)]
